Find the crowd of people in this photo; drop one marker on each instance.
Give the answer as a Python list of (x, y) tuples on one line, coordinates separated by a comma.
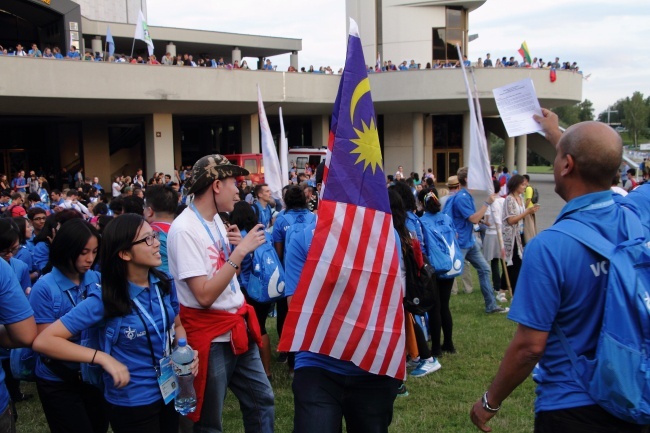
[(146, 268), (205, 61)]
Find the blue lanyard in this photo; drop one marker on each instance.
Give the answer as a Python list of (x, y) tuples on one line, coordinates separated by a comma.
[(224, 248), (145, 313)]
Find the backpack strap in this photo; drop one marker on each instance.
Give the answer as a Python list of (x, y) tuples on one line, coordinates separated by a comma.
[(593, 240)]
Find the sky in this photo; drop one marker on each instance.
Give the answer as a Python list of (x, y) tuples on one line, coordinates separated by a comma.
[(609, 40)]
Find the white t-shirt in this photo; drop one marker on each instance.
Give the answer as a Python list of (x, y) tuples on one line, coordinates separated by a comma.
[(116, 189), (192, 253), (495, 215)]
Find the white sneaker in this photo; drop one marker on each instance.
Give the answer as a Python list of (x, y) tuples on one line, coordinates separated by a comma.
[(413, 363), (425, 367), (501, 297)]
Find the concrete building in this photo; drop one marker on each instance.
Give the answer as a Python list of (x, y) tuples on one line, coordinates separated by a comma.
[(113, 118)]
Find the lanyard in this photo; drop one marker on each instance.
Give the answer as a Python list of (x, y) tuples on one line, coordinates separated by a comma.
[(143, 311), (224, 248)]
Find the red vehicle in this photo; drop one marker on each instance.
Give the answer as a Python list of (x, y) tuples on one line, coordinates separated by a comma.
[(253, 162)]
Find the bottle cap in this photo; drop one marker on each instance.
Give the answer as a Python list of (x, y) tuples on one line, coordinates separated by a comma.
[(182, 342)]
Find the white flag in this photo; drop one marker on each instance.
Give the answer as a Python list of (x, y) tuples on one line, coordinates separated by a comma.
[(142, 32), (272, 175), (479, 175), (284, 153)]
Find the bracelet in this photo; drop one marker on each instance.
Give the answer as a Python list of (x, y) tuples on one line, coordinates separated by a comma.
[(231, 263), (92, 361), (486, 405)]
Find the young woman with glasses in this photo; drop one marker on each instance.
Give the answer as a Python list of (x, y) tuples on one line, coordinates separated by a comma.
[(140, 304)]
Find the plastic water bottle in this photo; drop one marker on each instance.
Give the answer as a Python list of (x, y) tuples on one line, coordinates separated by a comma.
[(182, 357)]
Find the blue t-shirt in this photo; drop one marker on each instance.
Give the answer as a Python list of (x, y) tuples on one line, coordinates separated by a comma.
[(50, 291), (264, 214), (25, 255), (565, 283), (13, 308), (413, 226), (19, 183), (41, 255), (460, 207), (162, 228), (21, 270), (131, 347), (639, 201), (285, 220)]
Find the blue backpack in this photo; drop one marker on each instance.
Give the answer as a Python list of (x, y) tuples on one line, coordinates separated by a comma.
[(297, 223), (618, 377), (441, 245), (266, 282), (23, 360)]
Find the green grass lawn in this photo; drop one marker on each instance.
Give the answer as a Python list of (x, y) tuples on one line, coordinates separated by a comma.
[(438, 402), (541, 169)]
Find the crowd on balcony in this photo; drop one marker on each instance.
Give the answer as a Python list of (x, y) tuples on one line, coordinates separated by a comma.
[(204, 61)]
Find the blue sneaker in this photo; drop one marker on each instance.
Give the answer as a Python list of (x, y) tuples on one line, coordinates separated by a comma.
[(426, 367), (413, 363)]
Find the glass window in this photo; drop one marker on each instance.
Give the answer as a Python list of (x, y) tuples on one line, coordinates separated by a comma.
[(251, 165)]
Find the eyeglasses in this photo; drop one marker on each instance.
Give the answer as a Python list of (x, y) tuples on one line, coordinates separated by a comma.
[(148, 239), (39, 219), (12, 251)]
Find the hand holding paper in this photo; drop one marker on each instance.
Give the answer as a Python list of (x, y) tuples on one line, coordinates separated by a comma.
[(517, 102)]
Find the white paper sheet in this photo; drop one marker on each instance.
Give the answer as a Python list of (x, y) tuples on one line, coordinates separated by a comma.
[(517, 102)]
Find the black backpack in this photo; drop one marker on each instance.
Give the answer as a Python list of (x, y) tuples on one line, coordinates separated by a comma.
[(421, 289), (535, 197)]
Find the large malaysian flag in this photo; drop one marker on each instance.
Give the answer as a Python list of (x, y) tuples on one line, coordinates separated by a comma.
[(348, 302)]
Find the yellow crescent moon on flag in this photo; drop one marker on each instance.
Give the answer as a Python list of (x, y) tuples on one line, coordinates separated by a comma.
[(362, 88)]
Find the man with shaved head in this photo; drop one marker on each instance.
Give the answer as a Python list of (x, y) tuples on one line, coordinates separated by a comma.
[(566, 286)]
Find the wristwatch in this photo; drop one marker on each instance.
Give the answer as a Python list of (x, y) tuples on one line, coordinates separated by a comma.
[(486, 406)]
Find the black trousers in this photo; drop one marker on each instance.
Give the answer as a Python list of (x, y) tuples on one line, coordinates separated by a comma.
[(322, 399), (73, 407), (513, 270), (440, 318), (583, 419), (152, 418)]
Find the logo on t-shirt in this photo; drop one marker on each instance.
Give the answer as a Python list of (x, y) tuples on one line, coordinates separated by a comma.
[(217, 257), (129, 333)]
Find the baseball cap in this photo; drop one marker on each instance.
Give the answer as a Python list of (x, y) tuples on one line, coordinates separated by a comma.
[(210, 168)]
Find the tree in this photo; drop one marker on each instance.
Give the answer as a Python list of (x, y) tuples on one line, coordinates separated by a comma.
[(635, 116), (568, 114), (586, 110)]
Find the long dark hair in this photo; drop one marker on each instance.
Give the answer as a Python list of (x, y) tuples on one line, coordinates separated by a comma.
[(118, 236), (69, 243), (399, 219), (9, 233), (52, 224), (243, 216), (22, 226)]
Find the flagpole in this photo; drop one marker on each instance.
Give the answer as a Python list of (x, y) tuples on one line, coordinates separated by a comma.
[(132, 47), (105, 47)]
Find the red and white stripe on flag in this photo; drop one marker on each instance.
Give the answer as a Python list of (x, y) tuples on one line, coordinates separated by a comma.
[(348, 303)]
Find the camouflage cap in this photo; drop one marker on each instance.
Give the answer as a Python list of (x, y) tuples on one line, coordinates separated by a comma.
[(210, 168)]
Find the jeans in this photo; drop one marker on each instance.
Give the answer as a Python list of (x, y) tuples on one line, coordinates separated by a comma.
[(474, 255), (245, 377), (583, 419), (323, 398)]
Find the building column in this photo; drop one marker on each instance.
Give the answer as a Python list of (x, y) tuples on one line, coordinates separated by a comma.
[(96, 46), (522, 153), (159, 143), (250, 134), (178, 147), (96, 151), (418, 143), (320, 131), (171, 49), (467, 139), (236, 55), (510, 153), (293, 60), (428, 142)]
